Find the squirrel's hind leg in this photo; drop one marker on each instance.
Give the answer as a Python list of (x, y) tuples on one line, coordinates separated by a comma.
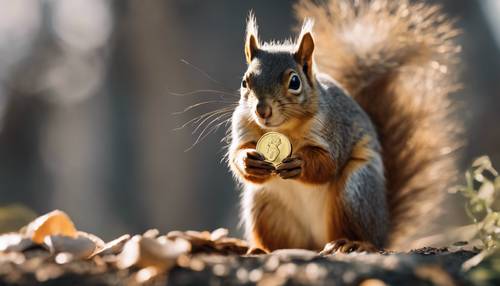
[(364, 214)]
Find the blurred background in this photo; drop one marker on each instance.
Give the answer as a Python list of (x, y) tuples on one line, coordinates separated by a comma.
[(89, 91)]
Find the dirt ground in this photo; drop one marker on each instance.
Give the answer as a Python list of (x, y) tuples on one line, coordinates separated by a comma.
[(51, 251), (426, 266)]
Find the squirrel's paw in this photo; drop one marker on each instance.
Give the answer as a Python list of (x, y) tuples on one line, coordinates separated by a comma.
[(290, 168), (254, 164), (347, 246)]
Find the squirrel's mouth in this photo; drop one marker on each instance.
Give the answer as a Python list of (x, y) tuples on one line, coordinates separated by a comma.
[(274, 121), (268, 123), (272, 125)]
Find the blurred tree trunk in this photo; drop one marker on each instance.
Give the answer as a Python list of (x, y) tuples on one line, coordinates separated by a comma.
[(165, 175)]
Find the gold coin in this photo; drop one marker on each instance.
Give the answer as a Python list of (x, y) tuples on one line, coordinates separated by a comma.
[(274, 146)]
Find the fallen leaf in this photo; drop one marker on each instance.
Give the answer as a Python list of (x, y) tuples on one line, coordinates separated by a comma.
[(54, 223)]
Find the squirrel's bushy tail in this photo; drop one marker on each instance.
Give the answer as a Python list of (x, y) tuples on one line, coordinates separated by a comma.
[(397, 60)]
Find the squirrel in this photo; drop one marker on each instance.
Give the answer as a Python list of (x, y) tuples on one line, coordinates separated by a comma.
[(364, 100)]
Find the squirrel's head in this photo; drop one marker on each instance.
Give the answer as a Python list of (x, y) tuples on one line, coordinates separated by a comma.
[(279, 87)]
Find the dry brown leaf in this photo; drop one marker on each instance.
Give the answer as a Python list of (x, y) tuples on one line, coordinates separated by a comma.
[(54, 223)]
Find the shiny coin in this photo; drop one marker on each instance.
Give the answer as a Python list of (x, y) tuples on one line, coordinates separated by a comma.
[(274, 146)]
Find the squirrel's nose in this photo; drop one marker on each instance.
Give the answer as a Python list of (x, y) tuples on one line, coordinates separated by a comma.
[(264, 111)]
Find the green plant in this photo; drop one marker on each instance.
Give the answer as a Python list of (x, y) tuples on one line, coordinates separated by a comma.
[(482, 191)]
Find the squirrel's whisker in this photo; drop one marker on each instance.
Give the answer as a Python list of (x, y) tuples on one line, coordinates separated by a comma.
[(212, 114), (201, 104), (200, 71), (203, 135), (202, 116), (212, 121), (199, 91)]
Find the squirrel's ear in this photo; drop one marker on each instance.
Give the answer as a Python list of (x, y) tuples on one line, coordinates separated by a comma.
[(252, 40), (304, 52), (251, 47)]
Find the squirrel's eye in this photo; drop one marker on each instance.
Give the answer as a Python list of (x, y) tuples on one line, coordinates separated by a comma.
[(294, 85), (244, 83)]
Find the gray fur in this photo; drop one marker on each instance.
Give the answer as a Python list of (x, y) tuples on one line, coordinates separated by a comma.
[(266, 71), (346, 122), (366, 197)]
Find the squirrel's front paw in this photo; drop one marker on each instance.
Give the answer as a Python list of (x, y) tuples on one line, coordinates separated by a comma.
[(290, 168), (254, 164)]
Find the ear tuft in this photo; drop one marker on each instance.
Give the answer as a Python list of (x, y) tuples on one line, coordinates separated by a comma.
[(305, 48), (304, 52), (252, 38)]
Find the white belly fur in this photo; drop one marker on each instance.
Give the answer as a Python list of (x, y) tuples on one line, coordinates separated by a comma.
[(306, 202)]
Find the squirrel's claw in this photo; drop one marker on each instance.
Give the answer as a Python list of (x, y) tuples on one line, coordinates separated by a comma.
[(348, 246), (254, 154), (290, 174), (255, 165), (291, 167)]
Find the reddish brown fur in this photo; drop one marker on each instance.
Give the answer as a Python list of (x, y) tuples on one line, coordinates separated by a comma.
[(318, 166), (336, 219)]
